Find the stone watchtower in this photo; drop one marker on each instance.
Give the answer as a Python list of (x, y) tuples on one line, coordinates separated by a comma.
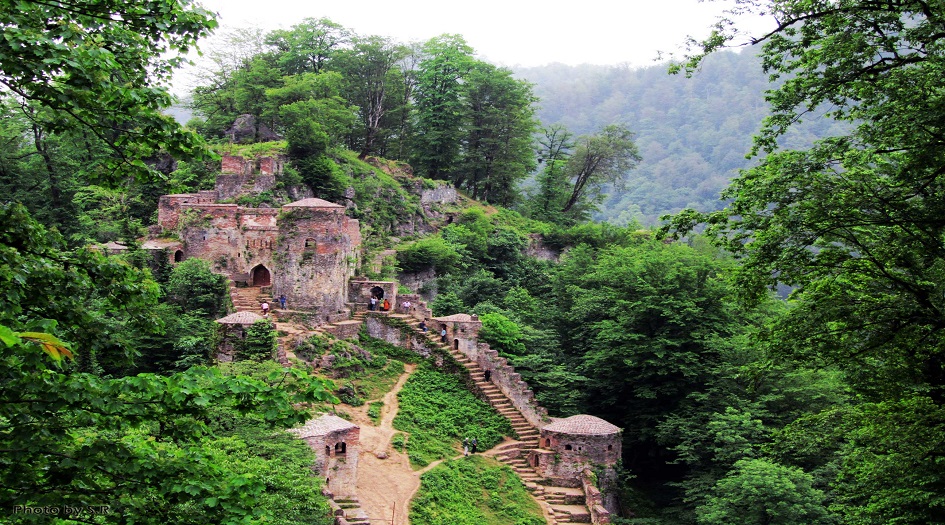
[(569, 445), (335, 442)]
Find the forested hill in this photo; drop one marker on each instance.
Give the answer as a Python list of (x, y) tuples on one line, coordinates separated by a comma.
[(692, 133)]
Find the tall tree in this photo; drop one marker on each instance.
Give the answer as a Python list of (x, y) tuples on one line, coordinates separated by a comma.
[(440, 111), (855, 222), (598, 159), (551, 187), (309, 45), (497, 151), (369, 72)]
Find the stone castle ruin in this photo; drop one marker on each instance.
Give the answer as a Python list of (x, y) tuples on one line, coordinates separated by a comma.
[(309, 251), (335, 442), (306, 250)]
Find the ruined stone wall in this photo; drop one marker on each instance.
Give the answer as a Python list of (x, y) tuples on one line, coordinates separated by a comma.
[(563, 457), (318, 253), (340, 471), (378, 328), (359, 291), (233, 239), (595, 499), (236, 165), (442, 194), (170, 206), (509, 382), (240, 176)]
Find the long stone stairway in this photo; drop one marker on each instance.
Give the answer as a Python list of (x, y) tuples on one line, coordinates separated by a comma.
[(561, 505)]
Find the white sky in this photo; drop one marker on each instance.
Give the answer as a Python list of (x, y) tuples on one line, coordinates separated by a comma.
[(505, 32)]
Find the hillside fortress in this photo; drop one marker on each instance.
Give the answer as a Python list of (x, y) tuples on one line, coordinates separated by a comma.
[(309, 250)]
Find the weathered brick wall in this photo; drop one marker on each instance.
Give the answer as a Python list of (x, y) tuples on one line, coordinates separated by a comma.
[(510, 383), (169, 209), (341, 470), (563, 457), (234, 164), (233, 239), (378, 328), (594, 499), (271, 165), (317, 257)]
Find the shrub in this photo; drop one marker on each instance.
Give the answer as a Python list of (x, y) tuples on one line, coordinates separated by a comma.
[(429, 253)]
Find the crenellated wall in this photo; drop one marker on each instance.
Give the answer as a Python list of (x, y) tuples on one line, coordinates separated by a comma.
[(510, 383)]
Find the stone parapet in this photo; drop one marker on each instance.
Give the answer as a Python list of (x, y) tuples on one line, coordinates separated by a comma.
[(383, 327), (594, 498), (510, 383)]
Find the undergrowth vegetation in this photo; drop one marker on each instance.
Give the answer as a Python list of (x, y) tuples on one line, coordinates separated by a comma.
[(473, 491), (437, 411)]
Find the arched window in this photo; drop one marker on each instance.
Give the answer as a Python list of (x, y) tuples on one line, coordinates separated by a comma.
[(340, 448), (178, 256), (327, 452), (567, 447), (456, 344), (548, 443)]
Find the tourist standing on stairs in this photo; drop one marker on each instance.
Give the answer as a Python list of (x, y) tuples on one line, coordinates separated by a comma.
[(423, 326), (265, 309), (282, 301), (373, 305), (443, 335)]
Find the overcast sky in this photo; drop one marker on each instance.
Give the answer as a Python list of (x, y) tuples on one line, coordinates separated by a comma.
[(504, 32)]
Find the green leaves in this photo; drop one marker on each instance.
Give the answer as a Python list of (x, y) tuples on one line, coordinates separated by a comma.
[(102, 69)]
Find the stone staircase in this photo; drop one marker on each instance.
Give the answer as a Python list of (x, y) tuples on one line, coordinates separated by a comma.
[(349, 511), (562, 505), (249, 299)]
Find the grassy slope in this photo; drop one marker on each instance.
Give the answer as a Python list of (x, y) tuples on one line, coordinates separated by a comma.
[(473, 491), (437, 411)]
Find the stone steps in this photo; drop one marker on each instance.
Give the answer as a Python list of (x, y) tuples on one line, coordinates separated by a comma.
[(571, 513)]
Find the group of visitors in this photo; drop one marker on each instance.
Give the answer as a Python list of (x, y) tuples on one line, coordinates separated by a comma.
[(376, 303), (470, 445), (265, 305)]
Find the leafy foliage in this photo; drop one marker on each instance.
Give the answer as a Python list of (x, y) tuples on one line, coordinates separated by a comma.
[(473, 491), (438, 412)]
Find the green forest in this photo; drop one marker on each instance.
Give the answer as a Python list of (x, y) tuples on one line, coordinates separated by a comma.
[(624, 260)]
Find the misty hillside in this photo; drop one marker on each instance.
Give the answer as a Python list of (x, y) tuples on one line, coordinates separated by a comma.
[(693, 133)]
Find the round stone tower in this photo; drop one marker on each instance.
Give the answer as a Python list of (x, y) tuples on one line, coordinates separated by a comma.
[(569, 445)]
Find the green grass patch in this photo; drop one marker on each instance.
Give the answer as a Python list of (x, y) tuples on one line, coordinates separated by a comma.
[(382, 347), (258, 149), (473, 491), (438, 412), (374, 411)]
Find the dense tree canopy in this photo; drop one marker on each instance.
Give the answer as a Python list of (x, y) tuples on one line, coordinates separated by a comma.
[(853, 223)]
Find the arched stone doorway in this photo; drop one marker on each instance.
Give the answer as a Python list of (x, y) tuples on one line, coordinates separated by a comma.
[(178, 256), (261, 276)]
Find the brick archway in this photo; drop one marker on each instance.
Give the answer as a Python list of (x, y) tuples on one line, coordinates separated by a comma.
[(260, 276)]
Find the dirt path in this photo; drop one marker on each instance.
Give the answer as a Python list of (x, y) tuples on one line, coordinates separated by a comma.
[(385, 480), (386, 483)]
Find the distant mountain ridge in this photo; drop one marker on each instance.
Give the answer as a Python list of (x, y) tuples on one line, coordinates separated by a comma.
[(693, 133)]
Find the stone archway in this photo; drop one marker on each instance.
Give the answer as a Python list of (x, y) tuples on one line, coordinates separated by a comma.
[(178, 256), (260, 276)]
